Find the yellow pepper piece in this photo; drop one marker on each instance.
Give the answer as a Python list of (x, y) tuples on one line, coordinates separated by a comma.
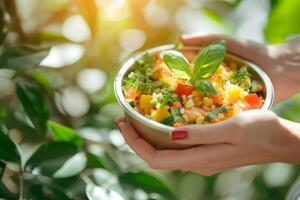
[(235, 93), (160, 114), (145, 103)]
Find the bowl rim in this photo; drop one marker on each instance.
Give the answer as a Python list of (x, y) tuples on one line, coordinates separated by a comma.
[(157, 125)]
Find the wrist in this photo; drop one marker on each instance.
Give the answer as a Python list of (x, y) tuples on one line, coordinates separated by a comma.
[(290, 151)]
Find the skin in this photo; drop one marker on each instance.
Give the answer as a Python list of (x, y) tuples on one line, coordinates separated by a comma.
[(252, 137)]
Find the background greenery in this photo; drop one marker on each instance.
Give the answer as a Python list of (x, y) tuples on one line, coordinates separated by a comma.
[(58, 59)]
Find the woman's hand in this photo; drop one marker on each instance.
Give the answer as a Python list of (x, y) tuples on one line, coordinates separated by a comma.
[(252, 137), (280, 62)]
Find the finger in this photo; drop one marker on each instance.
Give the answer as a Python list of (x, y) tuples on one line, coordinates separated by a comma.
[(242, 48), (223, 132), (158, 159), (138, 145), (201, 39)]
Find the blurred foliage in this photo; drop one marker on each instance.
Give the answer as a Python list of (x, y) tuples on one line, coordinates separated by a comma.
[(283, 21), (58, 60)]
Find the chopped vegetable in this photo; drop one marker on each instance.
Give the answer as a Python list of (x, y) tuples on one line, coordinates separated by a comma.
[(145, 103), (184, 89), (175, 91), (214, 113), (168, 120), (242, 78), (160, 114), (253, 100)]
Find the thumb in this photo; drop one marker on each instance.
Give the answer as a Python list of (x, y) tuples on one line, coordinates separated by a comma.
[(222, 132)]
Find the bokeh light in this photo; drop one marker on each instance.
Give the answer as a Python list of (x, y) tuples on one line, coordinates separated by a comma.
[(91, 80), (278, 174), (74, 102), (62, 55), (76, 29)]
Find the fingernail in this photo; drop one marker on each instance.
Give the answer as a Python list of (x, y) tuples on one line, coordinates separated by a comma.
[(179, 134)]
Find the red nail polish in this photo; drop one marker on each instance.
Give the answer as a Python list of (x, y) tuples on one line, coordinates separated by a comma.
[(179, 134)]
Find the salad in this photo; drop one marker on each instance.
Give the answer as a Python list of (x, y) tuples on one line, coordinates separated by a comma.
[(177, 89)]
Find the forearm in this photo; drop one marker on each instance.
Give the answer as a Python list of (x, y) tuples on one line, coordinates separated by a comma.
[(291, 147)]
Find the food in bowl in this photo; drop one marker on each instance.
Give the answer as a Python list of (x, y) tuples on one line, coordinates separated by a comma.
[(176, 89)]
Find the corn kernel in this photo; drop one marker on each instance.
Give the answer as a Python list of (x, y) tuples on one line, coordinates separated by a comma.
[(207, 101), (200, 119)]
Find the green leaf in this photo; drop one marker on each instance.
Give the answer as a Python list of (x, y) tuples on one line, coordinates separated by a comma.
[(50, 157), (72, 166), (95, 192), (146, 182), (168, 120), (62, 133), (214, 113), (283, 21), (34, 105), (208, 60), (177, 63), (289, 109), (46, 192), (94, 161), (205, 87), (22, 57), (8, 150)]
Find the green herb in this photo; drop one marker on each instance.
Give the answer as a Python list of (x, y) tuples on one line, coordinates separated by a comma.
[(176, 114), (148, 86), (214, 113), (205, 64), (242, 78), (168, 120), (164, 98), (177, 63), (209, 59), (205, 87), (132, 80)]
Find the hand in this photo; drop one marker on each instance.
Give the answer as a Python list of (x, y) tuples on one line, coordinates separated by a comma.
[(252, 137), (280, 62)]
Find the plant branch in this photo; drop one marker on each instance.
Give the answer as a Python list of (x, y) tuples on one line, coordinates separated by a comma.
[(11, 7), (21, 185)]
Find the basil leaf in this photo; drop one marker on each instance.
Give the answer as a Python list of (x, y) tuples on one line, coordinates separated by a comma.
[(177, 63), (209, 59), (205, 87), (168, 120), (214, 113)]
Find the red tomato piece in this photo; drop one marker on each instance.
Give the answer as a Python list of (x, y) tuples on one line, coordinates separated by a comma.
[(253, 100), (184, 89)]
